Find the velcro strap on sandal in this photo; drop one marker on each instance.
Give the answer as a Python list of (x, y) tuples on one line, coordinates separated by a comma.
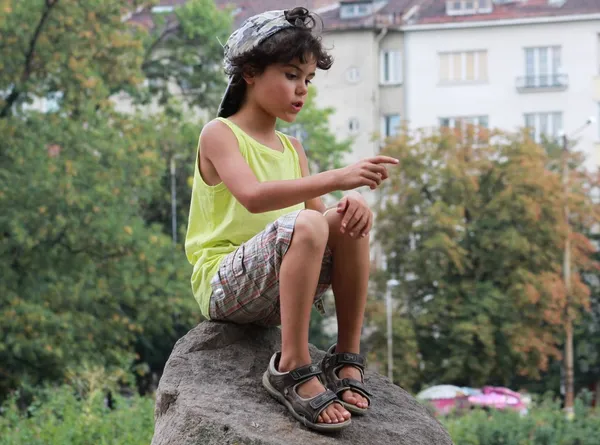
[(348, 358), (322, 400), (305, 372), (344, 384)]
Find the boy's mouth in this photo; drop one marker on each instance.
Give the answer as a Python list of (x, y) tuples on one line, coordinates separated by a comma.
[(297, 105)]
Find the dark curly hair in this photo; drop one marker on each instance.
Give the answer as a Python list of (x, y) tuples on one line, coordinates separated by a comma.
[(302, 41)]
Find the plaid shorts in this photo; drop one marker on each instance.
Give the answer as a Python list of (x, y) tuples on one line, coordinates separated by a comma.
[(246, 287)]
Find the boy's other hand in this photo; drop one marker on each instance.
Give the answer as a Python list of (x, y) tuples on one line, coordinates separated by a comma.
[(370, 172), (358, 217)]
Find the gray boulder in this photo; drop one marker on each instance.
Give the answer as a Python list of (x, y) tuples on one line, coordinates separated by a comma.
[(211, 394)]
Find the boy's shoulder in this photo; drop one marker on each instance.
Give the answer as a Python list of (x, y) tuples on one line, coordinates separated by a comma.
[(216, 135), (296, 144)]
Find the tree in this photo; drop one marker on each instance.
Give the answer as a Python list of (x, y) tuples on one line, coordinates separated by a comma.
[(474, 234), (87, 274), (66, 51), (183, 55)]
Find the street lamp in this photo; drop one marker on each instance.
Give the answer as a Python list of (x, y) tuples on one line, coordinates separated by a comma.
[(388, 307), (569, 377), (174, 197)]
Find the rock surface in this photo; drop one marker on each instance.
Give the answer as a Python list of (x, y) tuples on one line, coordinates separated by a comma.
[(211, 394)]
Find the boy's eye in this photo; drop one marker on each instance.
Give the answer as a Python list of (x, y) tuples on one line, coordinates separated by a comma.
[(308, 82), (291, 76)]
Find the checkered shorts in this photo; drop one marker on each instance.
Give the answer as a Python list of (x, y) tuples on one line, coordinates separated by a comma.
[(246, 286)]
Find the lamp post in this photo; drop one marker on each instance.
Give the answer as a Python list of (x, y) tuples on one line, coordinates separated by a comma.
[(174, 197), (569, 372), (388, 305)]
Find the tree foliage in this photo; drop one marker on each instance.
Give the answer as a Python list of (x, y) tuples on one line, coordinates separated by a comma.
[(474, 231), (89, 275)]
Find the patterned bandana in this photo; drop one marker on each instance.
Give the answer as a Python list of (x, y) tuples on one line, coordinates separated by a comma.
[(253, 32), (248, 36)]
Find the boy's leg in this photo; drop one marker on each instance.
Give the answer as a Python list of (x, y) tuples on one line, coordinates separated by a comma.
[(298, 277), (349, 281)]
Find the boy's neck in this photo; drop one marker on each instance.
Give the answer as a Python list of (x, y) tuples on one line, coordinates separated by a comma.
[(254, 118)]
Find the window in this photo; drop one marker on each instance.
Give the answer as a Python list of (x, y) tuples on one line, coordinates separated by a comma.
[(391, 67), (544, 124), (162, 9), (466, 66), (353, 74), (389, 125), (355, 10), (463, 124), (466, 7), (353, 125), (542, 66)]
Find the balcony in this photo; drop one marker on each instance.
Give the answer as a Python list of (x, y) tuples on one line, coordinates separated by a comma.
[(542, 83)]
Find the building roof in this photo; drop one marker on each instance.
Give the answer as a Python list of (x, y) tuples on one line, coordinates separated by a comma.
[(392, 12), (434, 11), (247, 8), (243, 9)]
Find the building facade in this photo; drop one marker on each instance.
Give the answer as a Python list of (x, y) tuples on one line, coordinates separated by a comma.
[(506, 65)]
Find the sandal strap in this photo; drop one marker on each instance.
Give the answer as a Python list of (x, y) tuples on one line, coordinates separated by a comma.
[(321, 401), (305, 372), (297, 376), (312, 408), (347, 358), (347, 383)]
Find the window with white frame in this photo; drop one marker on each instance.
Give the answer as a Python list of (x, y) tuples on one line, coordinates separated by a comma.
[(162, 9), (349, 11), (463, 66), (542, 66), (390, 125), (353, 125), (391, 67), (463, 123), (544, 124), (353, 74), (465, 7)]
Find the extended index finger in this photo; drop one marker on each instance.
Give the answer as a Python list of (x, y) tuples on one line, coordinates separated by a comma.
[(380, 159)]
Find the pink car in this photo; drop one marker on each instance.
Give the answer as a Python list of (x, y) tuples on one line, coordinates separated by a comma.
[(499, 398)]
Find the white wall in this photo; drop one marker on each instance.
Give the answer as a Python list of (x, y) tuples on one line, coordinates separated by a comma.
[(498, 98), (351, 99)]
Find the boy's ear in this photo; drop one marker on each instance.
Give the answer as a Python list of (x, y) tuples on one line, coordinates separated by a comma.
[(248, 78), (249, 75)]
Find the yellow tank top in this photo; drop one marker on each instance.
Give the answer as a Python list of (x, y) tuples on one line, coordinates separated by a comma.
[(218, 224)]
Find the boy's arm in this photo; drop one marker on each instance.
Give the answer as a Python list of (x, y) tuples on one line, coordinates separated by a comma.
[(314, 203), (220, 146)]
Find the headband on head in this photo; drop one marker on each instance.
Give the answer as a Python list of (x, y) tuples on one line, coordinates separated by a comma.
[(254, 31)]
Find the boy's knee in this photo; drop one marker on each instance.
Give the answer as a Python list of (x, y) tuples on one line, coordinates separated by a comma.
[(312, 228)]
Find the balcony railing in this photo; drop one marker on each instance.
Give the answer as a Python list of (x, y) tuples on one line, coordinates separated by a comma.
[(543, 82)]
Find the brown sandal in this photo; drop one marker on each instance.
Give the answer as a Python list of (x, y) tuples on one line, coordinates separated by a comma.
[(332, 363), (282, 386)]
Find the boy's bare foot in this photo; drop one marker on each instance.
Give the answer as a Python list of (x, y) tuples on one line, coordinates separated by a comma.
[(334, 413), (350, 396)]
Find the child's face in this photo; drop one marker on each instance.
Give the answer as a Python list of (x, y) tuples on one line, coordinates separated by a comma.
[(281, 90)]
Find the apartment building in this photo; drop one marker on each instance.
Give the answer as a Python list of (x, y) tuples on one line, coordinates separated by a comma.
[(502, 64), (366, 83), (506, 64)]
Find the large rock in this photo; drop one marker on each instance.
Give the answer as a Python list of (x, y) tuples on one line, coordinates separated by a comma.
[(211, 394)]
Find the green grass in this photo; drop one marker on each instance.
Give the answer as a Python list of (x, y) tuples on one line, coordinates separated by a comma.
[(70, 415), (546, 424), (61, 417)]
